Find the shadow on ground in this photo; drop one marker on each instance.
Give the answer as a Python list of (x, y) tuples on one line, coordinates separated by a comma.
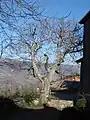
[(72, 87), (10, 111), (65, 95)]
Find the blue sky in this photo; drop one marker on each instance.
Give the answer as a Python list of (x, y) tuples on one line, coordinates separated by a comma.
[(60, 8)]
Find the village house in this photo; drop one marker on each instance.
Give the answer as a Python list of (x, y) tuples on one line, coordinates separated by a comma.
[(85, 61), (72, 78)]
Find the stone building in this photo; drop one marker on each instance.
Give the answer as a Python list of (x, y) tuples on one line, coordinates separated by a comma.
[(85, 61)]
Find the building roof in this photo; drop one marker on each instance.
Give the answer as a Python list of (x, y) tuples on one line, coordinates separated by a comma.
[(85, 18), (79, 60)]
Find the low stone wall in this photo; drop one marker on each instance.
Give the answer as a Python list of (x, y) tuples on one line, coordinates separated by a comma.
[(60, 104)]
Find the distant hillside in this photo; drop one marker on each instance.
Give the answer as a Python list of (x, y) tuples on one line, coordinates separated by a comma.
[(15, 73), (70, 69), (24, 65)]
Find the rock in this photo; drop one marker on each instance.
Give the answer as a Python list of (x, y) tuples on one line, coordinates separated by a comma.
[(36, 102)]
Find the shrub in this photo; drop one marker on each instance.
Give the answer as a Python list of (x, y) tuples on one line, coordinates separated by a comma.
[(23, 97), (29, 96), (80, 103)]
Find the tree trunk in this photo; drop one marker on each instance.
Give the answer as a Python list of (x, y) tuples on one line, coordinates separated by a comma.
[(45, 79), (45, 93)]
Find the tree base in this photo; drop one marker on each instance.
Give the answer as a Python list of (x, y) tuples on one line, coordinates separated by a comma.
[(43, 99)]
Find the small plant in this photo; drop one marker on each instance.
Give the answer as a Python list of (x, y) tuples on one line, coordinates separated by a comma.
[(24, 97), (81, 103), (29, 97), (17, 93)]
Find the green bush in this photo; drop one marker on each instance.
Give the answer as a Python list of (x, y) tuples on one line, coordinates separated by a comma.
[(81, 103), (25, 94), (17, 93), (29, 96)]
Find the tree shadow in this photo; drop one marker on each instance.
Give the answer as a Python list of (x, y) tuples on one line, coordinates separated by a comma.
[(10, 111), (68, 92)]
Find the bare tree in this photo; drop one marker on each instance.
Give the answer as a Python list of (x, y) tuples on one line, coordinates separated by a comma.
[(13, 14), (33, 37), (27, 38)]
